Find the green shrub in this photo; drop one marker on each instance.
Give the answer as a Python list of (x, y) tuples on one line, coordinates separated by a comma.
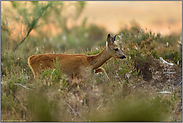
[(54, 74), (138, 109)]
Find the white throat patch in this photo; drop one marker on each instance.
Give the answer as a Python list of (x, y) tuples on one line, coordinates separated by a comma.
[(106, 44)]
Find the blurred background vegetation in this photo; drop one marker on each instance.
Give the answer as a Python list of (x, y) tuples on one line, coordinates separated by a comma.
[(27, 29)]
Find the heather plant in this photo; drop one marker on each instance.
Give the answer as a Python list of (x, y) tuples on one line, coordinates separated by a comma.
[(144, 47), (95, 94), (143, 87)]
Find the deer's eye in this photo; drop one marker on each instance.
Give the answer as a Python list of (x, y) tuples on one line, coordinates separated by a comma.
[(116, 49)]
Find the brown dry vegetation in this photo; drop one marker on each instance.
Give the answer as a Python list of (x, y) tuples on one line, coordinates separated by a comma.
[(144, 86)]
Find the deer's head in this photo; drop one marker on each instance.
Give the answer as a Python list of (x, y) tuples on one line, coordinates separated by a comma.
[(113, 48)]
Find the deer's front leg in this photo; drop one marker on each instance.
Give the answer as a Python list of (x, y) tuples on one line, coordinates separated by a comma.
[(102, 70)]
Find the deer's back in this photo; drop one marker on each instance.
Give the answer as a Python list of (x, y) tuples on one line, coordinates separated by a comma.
[(70, 64)]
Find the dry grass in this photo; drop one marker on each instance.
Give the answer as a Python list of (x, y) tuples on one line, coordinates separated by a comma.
[(143, 87)]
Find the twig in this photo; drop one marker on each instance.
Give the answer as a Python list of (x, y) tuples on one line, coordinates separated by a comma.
[(178, 81), (98, 107), (32, 25), (75, 113), (169, 72), (15, 112), (23, 86), (72, 109)]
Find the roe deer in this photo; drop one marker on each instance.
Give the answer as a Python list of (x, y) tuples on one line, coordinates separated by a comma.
[(77, 65)]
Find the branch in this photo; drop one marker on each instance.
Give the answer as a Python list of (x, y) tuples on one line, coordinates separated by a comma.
[(72, 109), (32, 25)]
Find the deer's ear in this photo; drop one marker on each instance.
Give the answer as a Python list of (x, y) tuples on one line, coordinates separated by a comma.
[(110, 39), (115, 37)]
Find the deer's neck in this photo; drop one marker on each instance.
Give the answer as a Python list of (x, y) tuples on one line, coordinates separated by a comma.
[(99, 59)]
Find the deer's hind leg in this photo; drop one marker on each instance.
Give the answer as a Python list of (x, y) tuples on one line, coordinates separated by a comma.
[(102, 70)]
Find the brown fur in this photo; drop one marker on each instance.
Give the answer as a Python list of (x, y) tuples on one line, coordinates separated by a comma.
[(78, 64)]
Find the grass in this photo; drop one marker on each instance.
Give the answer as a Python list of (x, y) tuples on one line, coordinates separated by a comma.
[(132, 95)]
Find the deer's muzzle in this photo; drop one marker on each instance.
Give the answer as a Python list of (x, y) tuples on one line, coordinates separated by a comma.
[(123, 57)]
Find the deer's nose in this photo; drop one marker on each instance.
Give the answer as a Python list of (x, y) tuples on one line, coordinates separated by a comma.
[(123, 57)]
